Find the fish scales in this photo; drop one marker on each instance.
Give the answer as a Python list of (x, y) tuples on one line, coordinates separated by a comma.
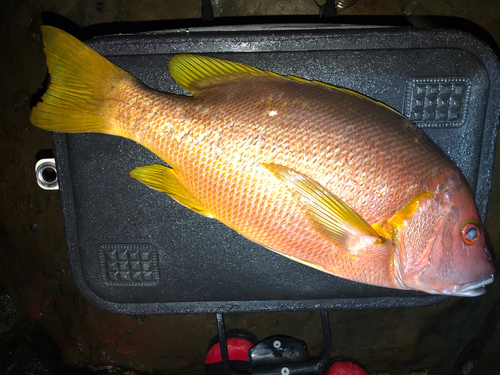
[(396, 170), (319, 174), (225, 170)]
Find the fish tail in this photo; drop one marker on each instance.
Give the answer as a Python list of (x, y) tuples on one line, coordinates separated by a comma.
[(81, 86)]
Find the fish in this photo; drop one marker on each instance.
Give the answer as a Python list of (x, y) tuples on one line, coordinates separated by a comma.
[(320, 174)]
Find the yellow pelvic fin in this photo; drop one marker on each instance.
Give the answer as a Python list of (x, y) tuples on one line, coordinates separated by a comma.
[(328, 213), (80, 81), (166, 180), (306, 263)]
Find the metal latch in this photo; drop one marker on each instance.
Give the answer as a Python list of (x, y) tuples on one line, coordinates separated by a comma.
[(46, 174)]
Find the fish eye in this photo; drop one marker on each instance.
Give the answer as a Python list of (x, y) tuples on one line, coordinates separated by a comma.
[(470, 233)]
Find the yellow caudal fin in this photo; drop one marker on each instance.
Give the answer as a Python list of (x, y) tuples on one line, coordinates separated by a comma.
[(80, 82)]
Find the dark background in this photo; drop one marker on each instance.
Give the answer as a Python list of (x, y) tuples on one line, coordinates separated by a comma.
[(46, 326)]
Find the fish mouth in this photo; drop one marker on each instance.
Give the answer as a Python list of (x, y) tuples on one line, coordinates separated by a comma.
[(473, 289)]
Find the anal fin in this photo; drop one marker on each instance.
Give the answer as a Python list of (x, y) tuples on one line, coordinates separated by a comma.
[(166, 180)]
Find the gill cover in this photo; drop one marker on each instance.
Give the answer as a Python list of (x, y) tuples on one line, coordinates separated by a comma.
[(443, 249)]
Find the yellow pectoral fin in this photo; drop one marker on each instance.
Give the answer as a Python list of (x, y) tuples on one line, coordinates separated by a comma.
[(166, 180), (329, 214)]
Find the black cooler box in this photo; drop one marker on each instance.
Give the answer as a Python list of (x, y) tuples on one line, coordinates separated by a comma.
[(135, 251)]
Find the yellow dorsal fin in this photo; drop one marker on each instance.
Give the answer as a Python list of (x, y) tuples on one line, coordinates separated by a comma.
[(328, 213), (166, 180), (195, 72)]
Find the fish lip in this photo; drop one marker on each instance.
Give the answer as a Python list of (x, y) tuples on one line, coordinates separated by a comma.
[(473, 289)]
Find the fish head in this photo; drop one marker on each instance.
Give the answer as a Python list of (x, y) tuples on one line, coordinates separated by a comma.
[(441, 248)]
